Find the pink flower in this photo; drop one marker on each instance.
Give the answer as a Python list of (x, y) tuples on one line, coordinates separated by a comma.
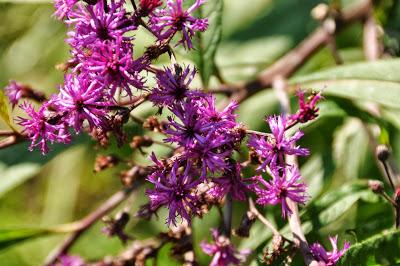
[(328, 258), (280, 189), (222, 250), (166, 22)]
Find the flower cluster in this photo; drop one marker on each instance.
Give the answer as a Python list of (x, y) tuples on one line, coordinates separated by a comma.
[(205, 138), (103, 69), (271, 151)]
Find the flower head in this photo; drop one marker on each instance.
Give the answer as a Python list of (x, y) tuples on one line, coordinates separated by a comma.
[(63, 7), (175, 190), (112, 64), (174, 18), (14, 92), (147, 7), (82, 99), (43, 126), (230, 182), (328, 258), (99, 22), (280, 189), (226, 118), (67, 260), (273, 149), (222, 250), (192, 127), (307, 109), (173, 86)]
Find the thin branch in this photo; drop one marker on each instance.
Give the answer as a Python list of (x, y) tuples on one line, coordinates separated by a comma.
[(293, 60), (84, 224), (11, 140), (268, 224), (372, 49)]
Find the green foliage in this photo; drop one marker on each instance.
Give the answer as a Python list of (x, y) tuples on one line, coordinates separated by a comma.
[(4, 113), (376, 82), (11, 237), (207, 42), (381, 249)]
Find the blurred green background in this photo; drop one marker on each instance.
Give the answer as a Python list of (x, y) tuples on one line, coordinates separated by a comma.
[(61, 187)]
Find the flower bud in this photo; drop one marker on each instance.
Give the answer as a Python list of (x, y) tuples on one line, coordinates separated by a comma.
[(375, 185), (382, 153)]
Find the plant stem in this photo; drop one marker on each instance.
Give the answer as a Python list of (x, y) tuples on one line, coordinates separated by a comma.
[(228, 215), (87, 222)]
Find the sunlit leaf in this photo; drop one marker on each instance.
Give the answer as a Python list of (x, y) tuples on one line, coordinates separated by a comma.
[(207, 43), (382, 249)]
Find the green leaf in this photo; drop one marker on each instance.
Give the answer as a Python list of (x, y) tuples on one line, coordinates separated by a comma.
[(4, 113), (15, 175), (377, 82), (207, 42), (382, 249), (10, 237)]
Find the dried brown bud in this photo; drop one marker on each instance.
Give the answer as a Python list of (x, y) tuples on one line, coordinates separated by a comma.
[(382, 153), (152, 124), (128, 177), (116, 226), (105, 161), (141, 141), (376, 186), (248, 220)]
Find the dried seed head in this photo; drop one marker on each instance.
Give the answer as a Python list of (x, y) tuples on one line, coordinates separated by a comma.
[(105, 161), (382, 153), (141, 141)]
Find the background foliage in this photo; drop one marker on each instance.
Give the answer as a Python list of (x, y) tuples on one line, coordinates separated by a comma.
[(39, 192)]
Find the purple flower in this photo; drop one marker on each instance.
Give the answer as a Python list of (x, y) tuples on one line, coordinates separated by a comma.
[(147, 7), (280, 189), (44, 126), (67, 260), (173, 86), (176, 191), (328, 258), (14, 92), (63, 7), (99, 22), (191, 129), (82, 99), (222, 250), (307, 109), (274, 149), (211, 152), (112, 64), (226, 118), (230, 182), (166, 22)]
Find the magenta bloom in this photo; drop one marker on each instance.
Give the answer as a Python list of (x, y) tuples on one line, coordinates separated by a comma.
[(307, 109), (66, 260), (94, 23), (211, 152), (222, 250), (43, 127), (274, 149), (226, 118), (173, 86), (166, 22), (14, 92), (191, 129), (112, 64), (175, 191), (230, 182), (328, 258), (82, 99), (63, 7), (280, 189), (147, 7)]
